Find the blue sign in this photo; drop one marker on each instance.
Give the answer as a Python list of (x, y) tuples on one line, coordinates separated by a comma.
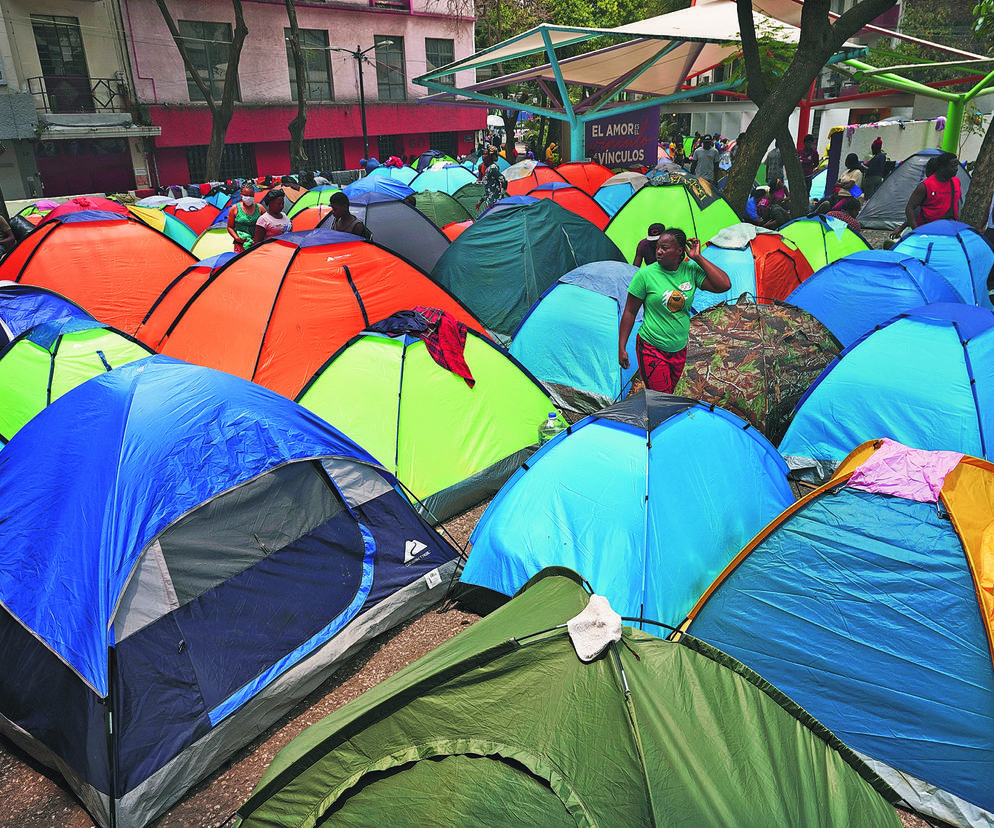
[(629, 140)]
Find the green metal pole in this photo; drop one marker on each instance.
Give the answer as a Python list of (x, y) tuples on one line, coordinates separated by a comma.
[(954, 125)]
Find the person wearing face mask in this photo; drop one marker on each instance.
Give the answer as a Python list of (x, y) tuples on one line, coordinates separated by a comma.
[(664, 291), (242, 218)]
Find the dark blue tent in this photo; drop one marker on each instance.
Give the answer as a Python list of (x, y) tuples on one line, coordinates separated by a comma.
[(160, 524), (24, 306), (853, 294)]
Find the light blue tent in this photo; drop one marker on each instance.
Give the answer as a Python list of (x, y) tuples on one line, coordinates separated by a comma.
[(569, 338), (445, 179), (501, 265), (160, 523), (648, 500), (856, 293), (405, 174), (925, 379), (378, 184), (866, 603), (614, 193), (958, 252)]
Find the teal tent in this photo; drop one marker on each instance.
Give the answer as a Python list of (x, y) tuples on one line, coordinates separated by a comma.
[(506, 725)]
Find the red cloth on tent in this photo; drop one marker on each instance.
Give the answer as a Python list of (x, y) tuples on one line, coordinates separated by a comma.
[(446, 341)]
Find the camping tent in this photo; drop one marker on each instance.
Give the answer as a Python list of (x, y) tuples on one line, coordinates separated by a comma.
[(926, 379), (527, 175), (648, 499), (400, 228), (441, 208), (573, 199), (24, 306), (958, 252), (756, 360), (864, 289), (45, 362), (569, 337), (508, 258), (505, 725), (112, 265), (160, 522), (405, 174), (587, 175), (87, 204), (765, 265), (196, 213), (614, 192), (885, 208), (469, 195), (377, 184), (451, 444), (162, 221), (445, 179), (276, 313), (823, 239), (313, 197), (682, 201), (868, 603)]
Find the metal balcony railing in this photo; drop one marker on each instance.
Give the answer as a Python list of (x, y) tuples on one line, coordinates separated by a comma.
[(66, 94)]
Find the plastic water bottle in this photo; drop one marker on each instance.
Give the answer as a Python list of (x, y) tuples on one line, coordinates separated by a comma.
[(549, 428)]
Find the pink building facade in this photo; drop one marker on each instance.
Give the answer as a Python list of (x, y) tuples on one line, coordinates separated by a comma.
[(398, 39)]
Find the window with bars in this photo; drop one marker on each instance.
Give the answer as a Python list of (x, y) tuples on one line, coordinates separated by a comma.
[(447, 142), (209, 45), (324, 154), (391, 78), (387, 146), (317, 71), (237, 161), (440, 52)]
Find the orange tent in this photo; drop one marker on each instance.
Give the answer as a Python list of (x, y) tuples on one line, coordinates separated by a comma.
[(453, 229), (113, 266), (527, 175), (277, 312), (310, 217), (575, 200), (587, 175)]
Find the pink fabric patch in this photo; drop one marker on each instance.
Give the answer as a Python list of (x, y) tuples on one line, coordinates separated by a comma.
[(914, 474)]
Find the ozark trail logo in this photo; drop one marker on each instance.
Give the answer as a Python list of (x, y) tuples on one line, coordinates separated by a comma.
[(413, 550)]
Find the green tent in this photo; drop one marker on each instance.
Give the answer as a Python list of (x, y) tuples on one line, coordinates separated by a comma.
[(441, 208), (675, 199), (46, 361), (823, 239), (499, 267), (311, 198), (469, 195), (505, 725), (450, 444)]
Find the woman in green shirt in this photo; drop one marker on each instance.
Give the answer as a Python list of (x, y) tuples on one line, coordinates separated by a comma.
[(665, 293), (242, 218)]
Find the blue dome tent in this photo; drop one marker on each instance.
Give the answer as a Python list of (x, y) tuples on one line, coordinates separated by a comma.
[(24, 306), (568, 340), (852, 295), (160, 520), (925, 379), (616, 499)]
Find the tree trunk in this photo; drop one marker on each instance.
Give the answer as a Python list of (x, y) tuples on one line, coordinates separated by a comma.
[(298, 157), (819, 40), (977, 208), (220, 112)]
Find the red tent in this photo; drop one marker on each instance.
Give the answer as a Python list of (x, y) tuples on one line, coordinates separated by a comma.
[(113, 266), (277, 312), (79, 203), (587, 175), (198, 220), (453, 229), (527, 175), (575, 200)]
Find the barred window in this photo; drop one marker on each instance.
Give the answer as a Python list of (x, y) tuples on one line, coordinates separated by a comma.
[(324, 154), (237, 161), (447, 142), (388, 146)]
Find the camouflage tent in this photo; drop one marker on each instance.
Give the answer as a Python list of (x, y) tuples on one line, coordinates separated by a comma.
[(756, 360)]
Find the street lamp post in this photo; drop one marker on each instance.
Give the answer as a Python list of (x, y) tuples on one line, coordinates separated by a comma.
[(359, 54)]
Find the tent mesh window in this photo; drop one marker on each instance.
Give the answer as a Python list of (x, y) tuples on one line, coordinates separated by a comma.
[(447, 142), (237, 161), (324, 153)]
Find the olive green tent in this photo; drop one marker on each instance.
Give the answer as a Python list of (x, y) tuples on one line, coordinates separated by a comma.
[(450, 444), (48, 360), (469, 195), (441, 208), (676, 199), (505, 725)]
